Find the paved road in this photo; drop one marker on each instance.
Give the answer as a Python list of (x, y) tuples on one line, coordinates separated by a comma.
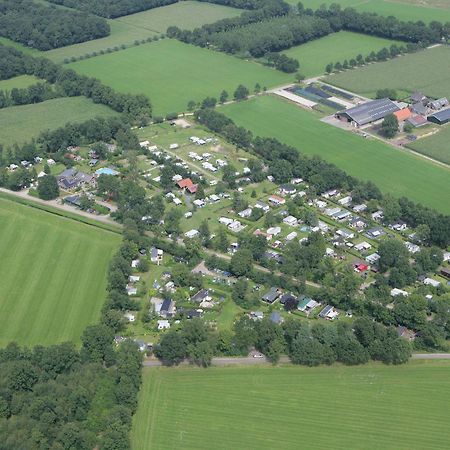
[(431, 356)]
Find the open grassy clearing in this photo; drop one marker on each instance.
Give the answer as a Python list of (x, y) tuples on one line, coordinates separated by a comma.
[(392, 170), (18, 46), (172, 73), (53, 273), (337, 407), (19, 82), (315, 55), (413, 10), (436, 146), (22, 123), (427, 71), (142, 25)]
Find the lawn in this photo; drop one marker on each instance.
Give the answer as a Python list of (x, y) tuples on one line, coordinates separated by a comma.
[(315, 55), (125, 30), (172, 73), (20, 82), (436, 146), (53, 273), (326, 408), (19, 46), (22, 123), (406, 73), (392, 170)]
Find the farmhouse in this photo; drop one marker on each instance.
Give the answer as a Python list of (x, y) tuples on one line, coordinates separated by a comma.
[(441, 117), (368, 112), (403, 114), (416, 121), (439, 103), (72, 178)]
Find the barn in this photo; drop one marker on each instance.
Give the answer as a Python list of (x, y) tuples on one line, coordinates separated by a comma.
[(440, 117)]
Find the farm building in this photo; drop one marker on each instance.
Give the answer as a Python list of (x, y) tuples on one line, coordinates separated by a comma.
[(439, 103), (403, 114), (417, 121), (440, 117), (368, 112)]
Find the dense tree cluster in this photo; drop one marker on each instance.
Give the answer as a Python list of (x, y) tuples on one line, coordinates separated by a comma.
[(282, 62), (113, 8), (44, 28), (35, 93)]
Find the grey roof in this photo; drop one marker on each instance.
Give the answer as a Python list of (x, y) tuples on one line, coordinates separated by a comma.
[(272, 295), (275, 317), (325, 311), (370, 111), (419, 108), (439, 103), (200, 295), (441, 116)]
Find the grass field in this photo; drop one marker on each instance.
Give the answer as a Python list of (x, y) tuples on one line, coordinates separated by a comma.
[(53, 274), (19, 82), (392, 170), (172, 73), (22, 123), (315, 55), (406, 73), (436, 146), (127, 29), (327, 408), (18, 46), (414, 10)]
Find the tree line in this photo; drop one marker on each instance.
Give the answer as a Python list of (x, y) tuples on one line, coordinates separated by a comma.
[(44, 28), (36, 93), (111, 9)]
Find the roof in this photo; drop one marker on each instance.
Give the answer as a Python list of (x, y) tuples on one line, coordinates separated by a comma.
[(417, 97), (272, 295), (370, 111), (419, 108), (441, 116), (184, 183), (403, 114), (417, 120), (200, 295)]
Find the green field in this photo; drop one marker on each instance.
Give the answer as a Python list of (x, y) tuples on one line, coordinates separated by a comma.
[(22, 123), (315, 55), (127, 29), (408, 10), (436, 146), (327, 408), (18, 46), (53, 273), (407, 73), (19, 82), (172, 73), (392, 170)]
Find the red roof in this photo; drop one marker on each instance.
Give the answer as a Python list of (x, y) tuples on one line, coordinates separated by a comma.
[(362, 267), (277, 198), (184, 183), (403, 114), (192, 188)]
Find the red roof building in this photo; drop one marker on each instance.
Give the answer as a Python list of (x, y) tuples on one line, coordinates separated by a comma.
[(187, 184), (403, 114)]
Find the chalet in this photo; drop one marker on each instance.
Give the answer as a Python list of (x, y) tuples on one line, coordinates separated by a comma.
[(245, 213), (375, 233), (201, 296), (258, 232), (276, 200), (307, 304), (373, 258), (291, 236), (134, 278), (186, 184), (329, 313), (286, 298), (345, 201), (199, 203), (131, 290), (72, 178), (287, 189), (191, 234), (156, 255), (398, 226), (360, 208), (357, 223), (163, 324), (271, 295), (345, 234), (396, 292), (431, 282), (363, 246), (256, 315), (167, 308), (412, 248), (274, 231), (290, 220), (445, 272), (377, 215)]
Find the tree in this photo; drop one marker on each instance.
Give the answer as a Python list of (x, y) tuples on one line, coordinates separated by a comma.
[(242, 263), (389, 126), (239, 291), (329, 68), (201, 353), (221, 241), (48, 188), (191, 105), (241, 93), (172, 348), (97, 344), (223, 96), (172, 222), (393, 253), (204, 232)]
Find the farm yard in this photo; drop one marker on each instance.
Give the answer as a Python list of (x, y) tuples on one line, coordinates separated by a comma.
[(425, 71), (147, 24), (392, 170), (318, 408), (172, 73), (20, 124), (315, 55), (436, 146), (53, 273)]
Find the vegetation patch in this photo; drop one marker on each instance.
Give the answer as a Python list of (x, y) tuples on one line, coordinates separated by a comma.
[(393, 171), (436, 146), (426, 71), (20, 82), (190, 408), (62, 266)]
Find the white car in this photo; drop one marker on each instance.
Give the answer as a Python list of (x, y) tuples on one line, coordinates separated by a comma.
[(258, 355)]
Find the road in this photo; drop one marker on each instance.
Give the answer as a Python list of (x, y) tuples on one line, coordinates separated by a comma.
[(431, 356)]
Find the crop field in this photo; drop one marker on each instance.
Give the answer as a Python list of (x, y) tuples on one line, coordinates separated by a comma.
[(436, 146), (414, 10), (315, 55), (171, 73), (19, 82), (19, 124), (392, 170), (407, 73), (288, 407), (53, 273), (142, 25)]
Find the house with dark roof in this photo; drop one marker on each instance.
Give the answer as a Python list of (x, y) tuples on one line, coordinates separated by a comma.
[(276, 318), (368, 112), (441, 117), (419, 108), (167, 308), (201, 296), (417, 121), (418, 97), (271, 295), (73, 178)]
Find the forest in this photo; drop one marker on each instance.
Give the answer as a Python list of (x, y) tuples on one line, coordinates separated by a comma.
[(45, 28)]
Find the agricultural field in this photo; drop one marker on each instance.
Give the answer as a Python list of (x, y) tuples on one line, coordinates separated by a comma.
[(20, 82), (147, 24), (392, 170), (53, 273), (436, 146), (171, 73), (335, 407), (19, 124), (407, 73), (315, 55), (408, 10)]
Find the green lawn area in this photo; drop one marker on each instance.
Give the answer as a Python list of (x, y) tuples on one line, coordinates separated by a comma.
[(19, 82), (315, 55), (407, 73), (326, 408), (392, 170), (21, 47), (142, 25), (172, 73), (437, 146), (414, 10), (22, 123), (53, 273)]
